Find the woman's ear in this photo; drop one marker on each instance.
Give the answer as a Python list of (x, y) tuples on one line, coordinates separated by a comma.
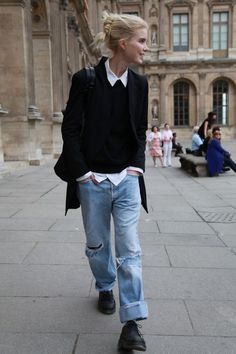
[(123, 43)]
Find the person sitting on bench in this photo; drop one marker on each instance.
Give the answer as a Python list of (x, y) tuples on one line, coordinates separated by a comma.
[(196, 142), (218, 159)]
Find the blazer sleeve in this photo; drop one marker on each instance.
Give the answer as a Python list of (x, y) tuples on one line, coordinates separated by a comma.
[(72, 126), (141, 128)]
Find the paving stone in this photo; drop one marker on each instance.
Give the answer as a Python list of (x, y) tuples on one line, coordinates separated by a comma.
[(57, 253), (42, 236), (224, 229), (97, 344), (155, 256), (183, 283), (189, 345), (167, 317), (201, 257), (7, 211), (47, 307), (16, 343), (229, 240), (26, 224), (174, 215), (185, 227), (180, 239), (148, 226), (41, 211), (45, 281), (213, 318), (64, 224), (94, 344), (55, 315), (14, 252), (11, 199)]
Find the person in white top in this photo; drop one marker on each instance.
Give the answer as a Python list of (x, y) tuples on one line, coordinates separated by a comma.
[(167, 137)]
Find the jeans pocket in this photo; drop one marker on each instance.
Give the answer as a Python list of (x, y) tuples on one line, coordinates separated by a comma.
[(87, 180)]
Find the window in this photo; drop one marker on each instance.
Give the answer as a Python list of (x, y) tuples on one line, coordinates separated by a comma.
[(181, 103), (131, 13), (220, 31), (220, 101), (180, 32)]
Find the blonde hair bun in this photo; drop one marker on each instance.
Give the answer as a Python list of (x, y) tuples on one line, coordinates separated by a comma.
[(115, 27)]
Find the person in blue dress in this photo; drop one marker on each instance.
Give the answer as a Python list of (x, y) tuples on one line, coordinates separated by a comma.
[(218, 159)]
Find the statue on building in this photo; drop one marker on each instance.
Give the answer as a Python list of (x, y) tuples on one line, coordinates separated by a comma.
[(153, 11), (154, 36), (154, 110)]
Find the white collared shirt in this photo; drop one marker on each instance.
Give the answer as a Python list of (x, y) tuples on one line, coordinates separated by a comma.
[(115, 178)]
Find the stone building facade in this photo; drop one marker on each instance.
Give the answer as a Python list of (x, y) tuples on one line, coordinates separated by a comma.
[(190, 65), (43, 42)]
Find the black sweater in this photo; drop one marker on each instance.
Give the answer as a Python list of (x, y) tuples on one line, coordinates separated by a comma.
[(119, 146)]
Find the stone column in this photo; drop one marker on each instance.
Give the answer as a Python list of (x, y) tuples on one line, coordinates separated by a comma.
[(162, 98), (202, 94), (34, 148), (3, 112), (56, 55), (145, 10), (57, 69), (18, 91), (163, 23)]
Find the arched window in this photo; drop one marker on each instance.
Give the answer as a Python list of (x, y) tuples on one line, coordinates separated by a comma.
[(220, 101), (181, 103)]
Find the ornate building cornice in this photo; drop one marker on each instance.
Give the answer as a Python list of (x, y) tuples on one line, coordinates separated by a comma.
[(180, 3), (21, 3), (211, 3)]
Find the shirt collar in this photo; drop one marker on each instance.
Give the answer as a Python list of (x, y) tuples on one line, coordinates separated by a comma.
[(112, 78)]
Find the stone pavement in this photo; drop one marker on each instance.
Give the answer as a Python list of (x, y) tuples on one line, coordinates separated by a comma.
[(47, 296)]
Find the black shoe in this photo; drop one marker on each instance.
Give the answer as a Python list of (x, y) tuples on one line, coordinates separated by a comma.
[(131, 338), (106, 302)]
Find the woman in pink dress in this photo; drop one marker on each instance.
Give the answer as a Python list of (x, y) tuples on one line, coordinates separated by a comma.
[(154, 142)]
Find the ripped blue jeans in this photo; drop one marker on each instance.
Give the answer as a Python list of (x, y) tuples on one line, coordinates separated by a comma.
[(122, 202)]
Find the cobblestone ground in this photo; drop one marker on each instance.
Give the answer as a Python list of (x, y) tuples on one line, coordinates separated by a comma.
[(47, 296)]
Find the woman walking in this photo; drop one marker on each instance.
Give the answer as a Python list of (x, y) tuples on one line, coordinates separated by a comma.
[(104, 147)]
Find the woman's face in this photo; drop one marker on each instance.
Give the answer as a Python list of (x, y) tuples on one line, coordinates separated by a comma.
[(136, 46), (155, 129), (217, 135)]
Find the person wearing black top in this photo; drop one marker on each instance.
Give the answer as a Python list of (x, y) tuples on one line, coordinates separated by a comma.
[(206, 125), (104, 149)]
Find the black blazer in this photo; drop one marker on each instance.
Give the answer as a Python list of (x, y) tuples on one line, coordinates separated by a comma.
[(86, 121)]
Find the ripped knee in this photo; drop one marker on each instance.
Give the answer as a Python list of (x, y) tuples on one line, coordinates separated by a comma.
[(91, 251), (129, 261)]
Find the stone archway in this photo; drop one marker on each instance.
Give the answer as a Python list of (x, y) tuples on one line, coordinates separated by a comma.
[(231, 93)]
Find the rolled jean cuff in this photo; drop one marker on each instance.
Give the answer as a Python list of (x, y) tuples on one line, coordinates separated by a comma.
[(133, 311)]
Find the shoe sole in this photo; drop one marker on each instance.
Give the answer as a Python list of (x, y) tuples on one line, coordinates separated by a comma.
[(131, 346)]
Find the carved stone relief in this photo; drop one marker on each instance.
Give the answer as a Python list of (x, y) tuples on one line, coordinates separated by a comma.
[(153, 12), (39, 14), (154, 35), (155, 109)]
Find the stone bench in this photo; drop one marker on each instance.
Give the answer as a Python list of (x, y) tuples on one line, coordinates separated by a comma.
[(197, 165)]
